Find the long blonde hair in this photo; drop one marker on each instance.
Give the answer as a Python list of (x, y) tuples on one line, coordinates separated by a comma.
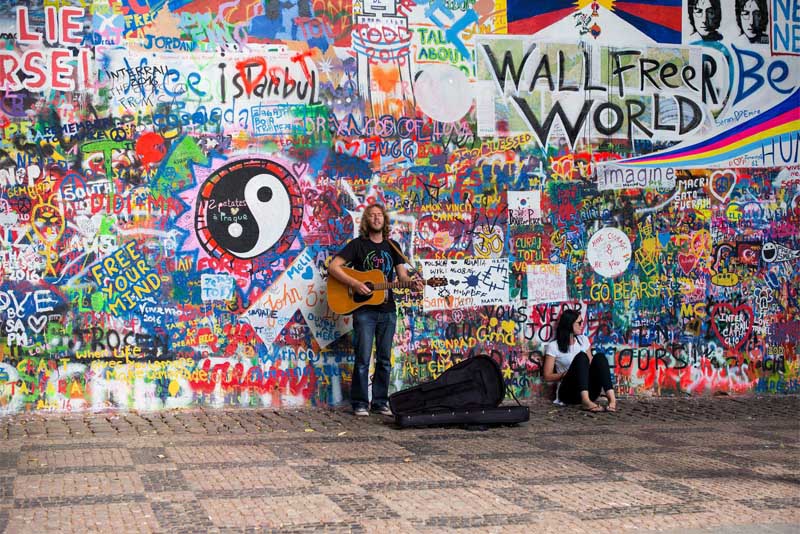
[(363, 231)]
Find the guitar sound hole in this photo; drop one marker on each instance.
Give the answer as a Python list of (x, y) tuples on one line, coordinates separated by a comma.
[(358, 297)]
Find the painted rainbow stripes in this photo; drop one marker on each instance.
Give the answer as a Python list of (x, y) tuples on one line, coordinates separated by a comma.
[(779, 120)]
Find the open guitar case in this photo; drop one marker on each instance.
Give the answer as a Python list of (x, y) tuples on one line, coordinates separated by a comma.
[(469, 393)]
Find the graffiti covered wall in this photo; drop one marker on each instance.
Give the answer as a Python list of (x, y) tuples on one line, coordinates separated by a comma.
[(176, 176)]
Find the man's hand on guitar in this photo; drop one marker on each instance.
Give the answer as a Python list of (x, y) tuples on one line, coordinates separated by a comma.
[(417, 283), (360, 287)]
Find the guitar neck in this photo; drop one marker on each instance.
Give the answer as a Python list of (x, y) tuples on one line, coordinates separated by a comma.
[(392, 285)]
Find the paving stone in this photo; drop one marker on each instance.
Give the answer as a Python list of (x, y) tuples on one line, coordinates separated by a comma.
[(8, 460), (758, 528), (6, 487), (363, 505), (522, 496), (131, 517), (76, 484), (148, 455), (184, 516), (405, 471), (77, 500), (322, 475), (272, 512), (721, 440), (171, 496), (369, 451), (610, 463), (463, 468), (483, 521), (583, 497), (425, 504), (669, 464), (676, 489), (218, 454), (244, 477), (165, 480), (538, 468), (771, 503), (423, 448), (70, 443), (74, 457), (381, 526), (735, 488), (783, 456), (671, 461)]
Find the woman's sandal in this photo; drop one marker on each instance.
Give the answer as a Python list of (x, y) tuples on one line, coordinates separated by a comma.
[(594, 409)]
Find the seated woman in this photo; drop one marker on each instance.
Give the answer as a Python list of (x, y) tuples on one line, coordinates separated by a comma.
[(569, 359)]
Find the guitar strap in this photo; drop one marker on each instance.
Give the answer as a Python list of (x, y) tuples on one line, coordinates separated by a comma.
[(405, 258), (400, 252)]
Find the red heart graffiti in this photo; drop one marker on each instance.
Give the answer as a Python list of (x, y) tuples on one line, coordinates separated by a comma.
[(687, 262), (721, 184), (735, 324)]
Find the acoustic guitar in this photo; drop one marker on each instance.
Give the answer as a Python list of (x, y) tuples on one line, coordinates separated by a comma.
[(343, 299)]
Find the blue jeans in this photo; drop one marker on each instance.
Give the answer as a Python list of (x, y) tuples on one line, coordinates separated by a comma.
[(372, 327)]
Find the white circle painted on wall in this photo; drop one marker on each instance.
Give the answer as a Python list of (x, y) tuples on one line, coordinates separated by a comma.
[(443, 92), (609, 252)]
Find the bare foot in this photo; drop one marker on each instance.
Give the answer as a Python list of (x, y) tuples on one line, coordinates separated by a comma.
[(592, 407)]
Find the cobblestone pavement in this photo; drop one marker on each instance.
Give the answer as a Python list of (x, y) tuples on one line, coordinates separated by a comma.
[(728, 464)]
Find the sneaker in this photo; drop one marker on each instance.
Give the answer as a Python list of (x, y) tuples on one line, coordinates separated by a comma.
[(360, 412), (383, 410)]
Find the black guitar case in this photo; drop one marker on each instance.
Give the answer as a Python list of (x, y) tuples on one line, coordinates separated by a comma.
[(469, 393)]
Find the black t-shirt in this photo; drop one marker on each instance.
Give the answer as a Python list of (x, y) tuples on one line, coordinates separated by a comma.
[(364, 255)]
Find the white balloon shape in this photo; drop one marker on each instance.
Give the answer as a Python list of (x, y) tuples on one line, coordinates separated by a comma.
[(443, 92)]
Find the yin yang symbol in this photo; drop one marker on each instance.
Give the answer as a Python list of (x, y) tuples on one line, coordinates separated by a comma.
[(248, 208)]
